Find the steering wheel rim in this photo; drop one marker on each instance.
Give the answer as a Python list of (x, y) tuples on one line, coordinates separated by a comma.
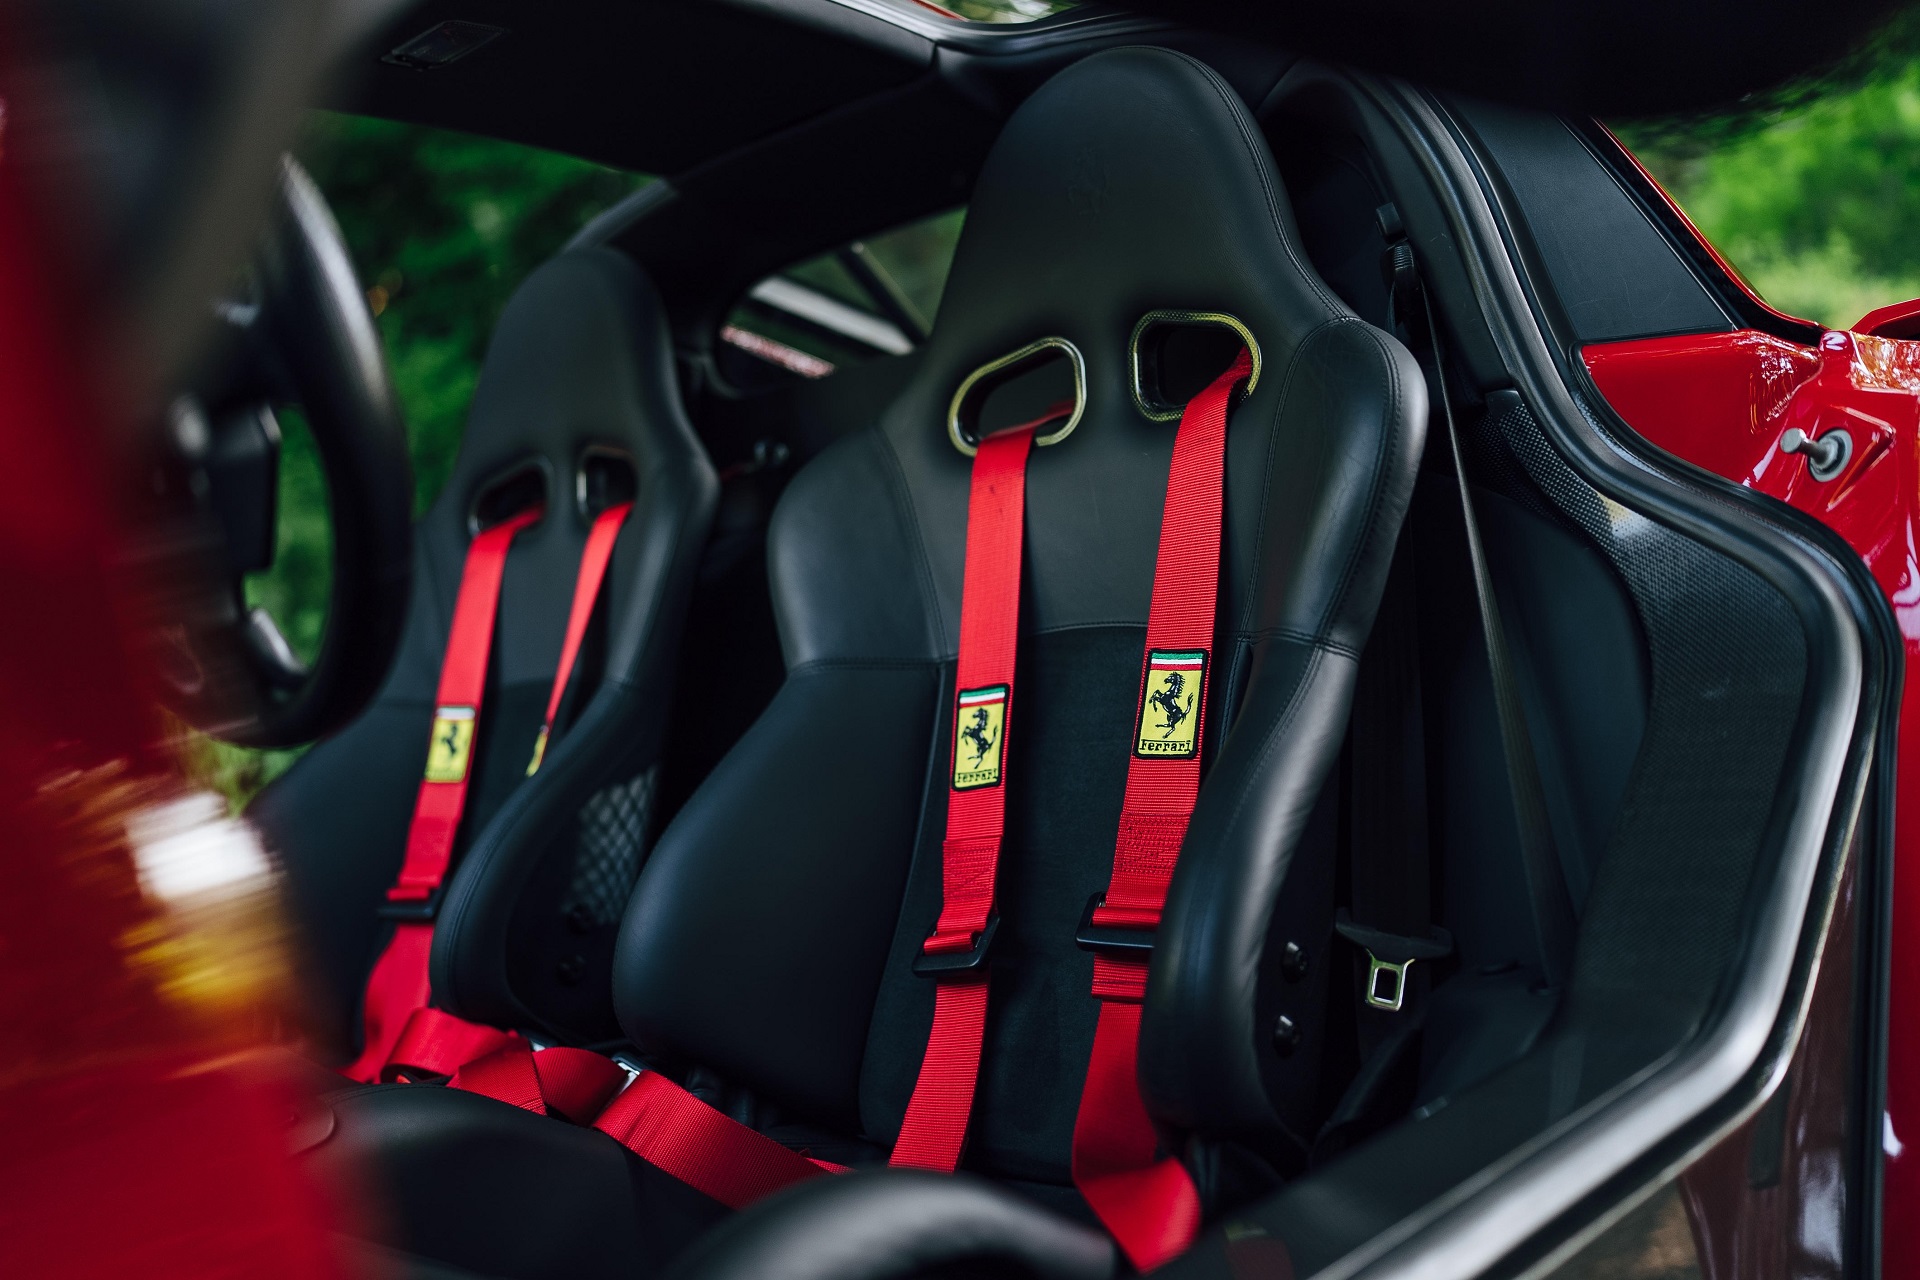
[(310, 339)]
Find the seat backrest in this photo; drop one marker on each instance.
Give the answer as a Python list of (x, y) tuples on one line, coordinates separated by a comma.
[(579, 373), (772, 935)]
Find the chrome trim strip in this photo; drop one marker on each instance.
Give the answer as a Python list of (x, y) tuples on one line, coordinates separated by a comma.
[(1219, 319), (966, 444), (1003, 37), (795, 299)]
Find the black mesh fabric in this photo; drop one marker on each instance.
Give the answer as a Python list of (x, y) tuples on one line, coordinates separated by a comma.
[(609, 848)]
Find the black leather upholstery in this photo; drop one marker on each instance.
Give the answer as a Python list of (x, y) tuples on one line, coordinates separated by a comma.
[(580, 358), (770, 937), (894, 1226), (1131, 182), (490, 1188)]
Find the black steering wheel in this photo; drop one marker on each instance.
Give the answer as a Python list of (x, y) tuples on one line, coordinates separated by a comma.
[(299, 334)]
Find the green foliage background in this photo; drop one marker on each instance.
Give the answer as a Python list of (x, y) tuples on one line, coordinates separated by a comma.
[(1815, 199)]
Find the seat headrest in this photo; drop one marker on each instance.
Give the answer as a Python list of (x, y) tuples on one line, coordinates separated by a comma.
[(1134, 180)]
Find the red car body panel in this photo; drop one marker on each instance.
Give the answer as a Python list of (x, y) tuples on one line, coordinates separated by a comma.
[(136, 1142), (1722, 401)]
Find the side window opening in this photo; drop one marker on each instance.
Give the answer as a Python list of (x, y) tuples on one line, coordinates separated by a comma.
[(868, 298)]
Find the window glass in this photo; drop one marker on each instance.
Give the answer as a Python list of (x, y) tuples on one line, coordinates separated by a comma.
[(868, 298), (1815, 199)]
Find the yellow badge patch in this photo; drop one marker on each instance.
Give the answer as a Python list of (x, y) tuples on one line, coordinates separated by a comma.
[(1170, 704), (451, 745), (979, 728)]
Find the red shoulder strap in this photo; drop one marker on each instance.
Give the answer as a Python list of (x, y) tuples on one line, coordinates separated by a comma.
[(398, 984), (586, 590), (402, 1033), (935, 1127), (1150, 1206)]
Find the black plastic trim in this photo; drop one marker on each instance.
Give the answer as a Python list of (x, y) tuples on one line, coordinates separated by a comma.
[(1728, 292)]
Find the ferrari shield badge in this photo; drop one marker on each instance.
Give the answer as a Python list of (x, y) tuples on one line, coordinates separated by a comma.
[(451, 745), (979, 730), (1170, 704)]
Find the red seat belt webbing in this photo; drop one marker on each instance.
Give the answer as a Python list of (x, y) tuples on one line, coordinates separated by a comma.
[(586, 590), (934, 1130), (1150, 1206), (573, 1084), (653, 1117), (398, 990), (398, 984), (436, 1043), (705, 1148)]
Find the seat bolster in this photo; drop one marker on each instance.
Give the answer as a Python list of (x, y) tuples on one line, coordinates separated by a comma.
[(1345, 449), (850, 577), (895, 1223), (482, 1185), (1200, 1050)]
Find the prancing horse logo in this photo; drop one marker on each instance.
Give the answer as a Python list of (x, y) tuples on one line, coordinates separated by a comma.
[(1169, 727), (1167, 701), (979, 735)]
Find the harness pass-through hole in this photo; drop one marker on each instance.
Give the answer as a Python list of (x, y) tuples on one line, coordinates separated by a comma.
[(1174, 355), (520, 487), (605, 478), (1040, 378)]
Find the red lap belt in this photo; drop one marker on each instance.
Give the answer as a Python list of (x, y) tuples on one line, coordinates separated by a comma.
[(935, 1128), (1148, 1204), (401, 1032)]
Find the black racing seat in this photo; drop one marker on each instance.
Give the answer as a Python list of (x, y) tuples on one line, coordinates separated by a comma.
[(768, 953), (577, 407)]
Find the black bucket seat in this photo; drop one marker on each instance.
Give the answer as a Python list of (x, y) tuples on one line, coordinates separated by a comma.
[(767, 957), (577, 407)]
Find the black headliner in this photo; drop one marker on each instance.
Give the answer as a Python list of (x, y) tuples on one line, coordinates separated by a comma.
[(655, 86), (659, 86)]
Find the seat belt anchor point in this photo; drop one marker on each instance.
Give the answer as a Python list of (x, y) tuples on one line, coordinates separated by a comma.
[(413, 910), (947, 964), (1122, 943), (1399, 952), (1396, 994)]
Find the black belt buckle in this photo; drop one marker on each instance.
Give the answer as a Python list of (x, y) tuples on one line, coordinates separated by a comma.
[(1135, 944), (946, 964), (413, 910)]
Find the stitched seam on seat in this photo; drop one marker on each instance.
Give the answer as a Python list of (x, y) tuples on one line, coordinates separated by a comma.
[(1237, 110), (1381, 457), (905, 508), (863, 664), (1317, 654), (1096, 624), (1266, 475), (1301, 637)]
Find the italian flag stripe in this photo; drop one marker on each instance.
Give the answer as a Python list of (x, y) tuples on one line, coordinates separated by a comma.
[(1182, 660), (983, 695)]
